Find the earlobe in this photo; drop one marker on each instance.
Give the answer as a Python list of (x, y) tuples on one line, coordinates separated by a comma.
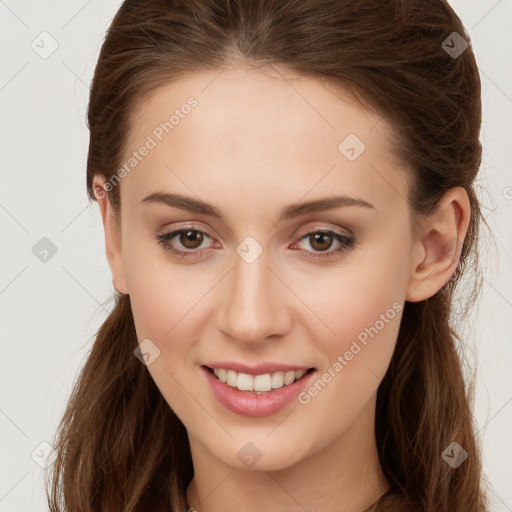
[(439, 245), (113, 245)]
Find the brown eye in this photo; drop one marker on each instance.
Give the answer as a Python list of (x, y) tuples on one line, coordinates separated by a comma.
[(186, 242), (321, 241), (183, 242), (191, 239)]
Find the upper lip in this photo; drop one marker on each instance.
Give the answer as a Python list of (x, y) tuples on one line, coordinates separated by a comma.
[(258, 369)]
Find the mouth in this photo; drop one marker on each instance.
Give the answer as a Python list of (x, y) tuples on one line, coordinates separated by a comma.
[(258, 384), (256, 395)]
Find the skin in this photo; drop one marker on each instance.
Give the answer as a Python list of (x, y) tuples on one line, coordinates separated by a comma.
[(254, 144)]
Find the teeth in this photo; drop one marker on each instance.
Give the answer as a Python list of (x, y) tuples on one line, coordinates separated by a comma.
[(258, 383), (232, 378), (277, 379), (289, 377), (261, 382), (245, 382)]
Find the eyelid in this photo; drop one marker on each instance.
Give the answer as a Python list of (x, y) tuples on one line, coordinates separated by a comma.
[(322, 226), (319, 226), (347, 239), (191, 227), (308, 231)]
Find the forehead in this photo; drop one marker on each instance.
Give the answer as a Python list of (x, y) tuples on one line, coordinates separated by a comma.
[(255, 129)]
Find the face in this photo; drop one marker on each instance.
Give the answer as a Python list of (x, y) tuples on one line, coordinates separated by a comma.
[(264, 281)]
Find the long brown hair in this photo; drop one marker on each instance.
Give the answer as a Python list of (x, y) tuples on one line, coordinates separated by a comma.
[(119, 445)]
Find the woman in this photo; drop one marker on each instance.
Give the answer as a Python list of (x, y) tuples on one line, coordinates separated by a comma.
[(287, 194)]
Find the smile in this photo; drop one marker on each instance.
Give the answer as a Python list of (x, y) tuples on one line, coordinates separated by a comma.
[(259, 383)]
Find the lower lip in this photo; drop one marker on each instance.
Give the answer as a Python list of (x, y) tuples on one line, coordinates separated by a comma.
[(251, 404)]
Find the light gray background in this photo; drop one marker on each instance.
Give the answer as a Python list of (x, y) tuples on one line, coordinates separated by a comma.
[(50, 311)]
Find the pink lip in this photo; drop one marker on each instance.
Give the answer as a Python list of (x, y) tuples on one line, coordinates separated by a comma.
[(248, 403), (258, 369)]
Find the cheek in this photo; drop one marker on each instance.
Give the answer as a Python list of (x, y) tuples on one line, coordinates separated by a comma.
[(364, 315), (161, 293), (357, 295), (162, 297), (360, 305), (363, 319)]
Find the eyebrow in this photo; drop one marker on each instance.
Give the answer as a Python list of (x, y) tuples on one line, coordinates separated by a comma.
[(288, 212)]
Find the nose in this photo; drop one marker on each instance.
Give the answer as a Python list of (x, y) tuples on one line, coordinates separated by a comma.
[(255, 302)]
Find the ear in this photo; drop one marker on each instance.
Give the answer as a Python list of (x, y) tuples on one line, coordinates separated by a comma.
[(112, 235), (438, 245)]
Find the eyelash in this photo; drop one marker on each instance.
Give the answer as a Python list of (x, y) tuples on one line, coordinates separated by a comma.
[(348, 242)]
